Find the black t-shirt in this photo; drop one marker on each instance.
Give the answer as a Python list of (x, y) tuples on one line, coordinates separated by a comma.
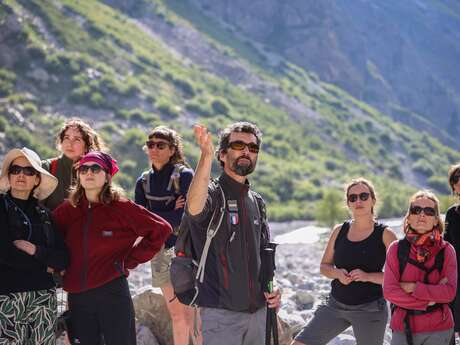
[(368, 255)]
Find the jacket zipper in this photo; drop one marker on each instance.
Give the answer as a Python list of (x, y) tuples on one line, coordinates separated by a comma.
[(250, 282), (84, 273)]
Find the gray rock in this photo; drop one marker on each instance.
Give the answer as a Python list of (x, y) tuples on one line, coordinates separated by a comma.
[(152, 313), (304, 300)]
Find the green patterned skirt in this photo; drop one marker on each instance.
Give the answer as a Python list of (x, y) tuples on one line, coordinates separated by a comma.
[(28, 318)]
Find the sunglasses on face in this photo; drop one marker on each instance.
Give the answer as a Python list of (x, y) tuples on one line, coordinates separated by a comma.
[(160, 145), (455, 178), (95, 169), (17, 169), (354, 197), (429, 211), (240, 146)]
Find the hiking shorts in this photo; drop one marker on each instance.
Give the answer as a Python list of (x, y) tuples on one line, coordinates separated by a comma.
[(332, 318), (425, 338), (160, 267), (227, 327)]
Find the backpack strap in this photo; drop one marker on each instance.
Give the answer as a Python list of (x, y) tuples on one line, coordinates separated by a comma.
[(174, 180), (145, 178), (262, 216), (53, 166), (403, 259), (403, 254), (213, 228)]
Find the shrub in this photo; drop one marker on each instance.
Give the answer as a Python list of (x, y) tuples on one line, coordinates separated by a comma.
[(220, 106)]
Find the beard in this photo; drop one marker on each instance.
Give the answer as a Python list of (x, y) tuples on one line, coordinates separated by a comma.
[(243, 169)]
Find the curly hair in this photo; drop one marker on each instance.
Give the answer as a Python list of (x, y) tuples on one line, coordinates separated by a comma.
[(93, 142), (173, 138)]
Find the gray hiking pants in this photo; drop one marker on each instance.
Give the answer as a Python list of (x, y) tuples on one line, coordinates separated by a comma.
[(425, 338), (332, 318), (226, 327)]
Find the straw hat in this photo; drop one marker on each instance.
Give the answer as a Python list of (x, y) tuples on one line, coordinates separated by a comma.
[(48, 182)]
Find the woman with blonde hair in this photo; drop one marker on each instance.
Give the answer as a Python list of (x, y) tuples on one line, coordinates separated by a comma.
[(30, 251), (102, 230), (421, 277), (353, 259)]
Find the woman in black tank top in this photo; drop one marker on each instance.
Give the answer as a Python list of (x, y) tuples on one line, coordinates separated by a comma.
[(353, 259)]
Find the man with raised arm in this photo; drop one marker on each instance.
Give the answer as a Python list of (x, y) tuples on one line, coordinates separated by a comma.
[(231, 297)]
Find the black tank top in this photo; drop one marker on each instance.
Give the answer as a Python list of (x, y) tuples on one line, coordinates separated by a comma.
[(367, 255)]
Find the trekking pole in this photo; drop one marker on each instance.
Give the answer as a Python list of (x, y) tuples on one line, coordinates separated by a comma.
[(268, 267)]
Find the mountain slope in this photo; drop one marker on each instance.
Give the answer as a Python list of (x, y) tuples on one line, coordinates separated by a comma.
[(400, 56), (128, 72)]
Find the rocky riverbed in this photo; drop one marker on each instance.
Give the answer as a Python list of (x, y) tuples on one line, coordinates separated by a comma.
[(298, 257)]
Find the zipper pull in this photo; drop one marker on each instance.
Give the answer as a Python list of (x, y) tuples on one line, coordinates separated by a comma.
[(232, 237)]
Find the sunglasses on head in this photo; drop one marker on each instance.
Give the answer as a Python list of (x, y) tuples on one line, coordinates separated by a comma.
[(17, 169), (354, 197), (429, 211), (239, 145), (160, 145), (95, 169)]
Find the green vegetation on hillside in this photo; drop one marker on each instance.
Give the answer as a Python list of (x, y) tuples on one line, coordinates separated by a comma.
[(85, 57)]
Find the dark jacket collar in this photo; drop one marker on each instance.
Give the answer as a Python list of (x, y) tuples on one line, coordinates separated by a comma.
[(166, 170), (230, 184)]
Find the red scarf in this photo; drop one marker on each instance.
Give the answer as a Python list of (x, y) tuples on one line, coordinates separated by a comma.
[(426, 245)]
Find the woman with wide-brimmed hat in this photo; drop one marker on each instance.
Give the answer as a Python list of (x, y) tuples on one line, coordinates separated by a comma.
[(102, 230), (30, 251)]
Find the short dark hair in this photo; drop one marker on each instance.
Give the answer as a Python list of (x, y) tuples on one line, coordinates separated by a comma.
[(453, 170), (237, 127)]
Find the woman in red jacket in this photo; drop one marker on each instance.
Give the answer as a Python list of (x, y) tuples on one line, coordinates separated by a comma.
[(420, 277), (101, 229)]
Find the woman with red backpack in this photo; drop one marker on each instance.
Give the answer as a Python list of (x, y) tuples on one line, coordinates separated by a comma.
[(420, 277), (74, 140)]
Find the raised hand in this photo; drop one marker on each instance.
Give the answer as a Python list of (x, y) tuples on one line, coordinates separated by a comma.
[(203, 139)]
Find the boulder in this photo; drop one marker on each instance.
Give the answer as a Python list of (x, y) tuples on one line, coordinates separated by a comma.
[(304, 300), (151, 312)]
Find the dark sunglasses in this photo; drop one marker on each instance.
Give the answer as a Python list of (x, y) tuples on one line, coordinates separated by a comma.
[(429, 211), (17, 169), (160, 145), (95, 169), (240, 145), (455, 178), (362, 196)]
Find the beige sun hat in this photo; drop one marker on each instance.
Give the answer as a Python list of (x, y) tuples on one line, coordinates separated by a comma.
[(48, 182)]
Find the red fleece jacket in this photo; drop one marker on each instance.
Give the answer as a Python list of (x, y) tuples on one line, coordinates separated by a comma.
[(102, 240), (439, 319)]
